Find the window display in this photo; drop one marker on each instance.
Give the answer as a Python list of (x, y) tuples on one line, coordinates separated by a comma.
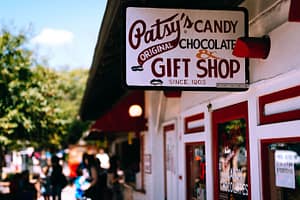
[(233, 183)]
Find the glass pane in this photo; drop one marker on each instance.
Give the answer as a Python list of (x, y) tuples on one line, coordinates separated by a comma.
[(284, 171), (196, 172), (233, 165)]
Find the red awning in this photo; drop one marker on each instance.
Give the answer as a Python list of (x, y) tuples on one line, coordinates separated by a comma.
[(118, 119)]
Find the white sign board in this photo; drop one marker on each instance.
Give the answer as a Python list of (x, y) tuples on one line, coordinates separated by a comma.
[(284, 168), (185, 48)]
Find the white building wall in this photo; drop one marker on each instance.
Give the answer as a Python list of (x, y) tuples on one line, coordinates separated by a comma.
[(197, 137), (153, 146), (156, 104), (275, 130), (279, 71)]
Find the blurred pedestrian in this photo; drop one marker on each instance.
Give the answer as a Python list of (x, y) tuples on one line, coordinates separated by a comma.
[(14, 186), (46, 189), (116, 178), (102, 181), (57, 178), (104, 159), (81, 184), (93, 190), (84, 164), (21, 188)]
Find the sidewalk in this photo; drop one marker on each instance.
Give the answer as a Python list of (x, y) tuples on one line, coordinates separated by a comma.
[(68, 193)]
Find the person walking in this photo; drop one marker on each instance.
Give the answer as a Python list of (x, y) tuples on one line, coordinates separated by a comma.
[(21, 188), (103, 158), (116, 179), (102, 181), (81, 184), (57, 178), (45, 187), (92, 166)]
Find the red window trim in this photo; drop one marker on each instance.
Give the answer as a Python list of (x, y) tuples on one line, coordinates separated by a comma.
[(277, 96), (236, 111), (169, 127), (192, 118)]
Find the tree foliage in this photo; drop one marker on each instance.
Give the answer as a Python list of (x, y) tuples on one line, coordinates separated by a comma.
[(72, 85), (38, 105)]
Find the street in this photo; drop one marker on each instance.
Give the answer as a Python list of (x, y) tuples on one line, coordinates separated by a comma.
[(68, 193)]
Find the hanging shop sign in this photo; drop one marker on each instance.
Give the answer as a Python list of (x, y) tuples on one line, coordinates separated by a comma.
[(186, 49)]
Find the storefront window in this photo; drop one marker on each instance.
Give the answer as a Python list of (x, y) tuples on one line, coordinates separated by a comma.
[(281, 172), (196, 184), (232, 150)]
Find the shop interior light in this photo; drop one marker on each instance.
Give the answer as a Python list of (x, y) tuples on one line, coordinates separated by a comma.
[(135, 110)]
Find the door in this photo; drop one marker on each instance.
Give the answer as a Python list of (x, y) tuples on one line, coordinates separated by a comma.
[(195, 171), (231, 153), (170, 149), (281, 168)]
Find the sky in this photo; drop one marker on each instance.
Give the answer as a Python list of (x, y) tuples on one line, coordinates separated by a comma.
[(63, 32)]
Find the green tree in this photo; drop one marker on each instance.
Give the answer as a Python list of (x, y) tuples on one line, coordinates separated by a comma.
[(38, 106), (15, 74), (72, 85)]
